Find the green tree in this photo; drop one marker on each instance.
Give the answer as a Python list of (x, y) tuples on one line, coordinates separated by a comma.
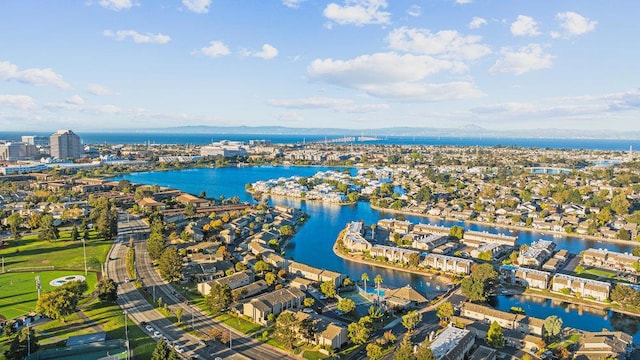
[(360, 332), (411, 319), (552, 327), (261, 266), (456, 232), (486, 255), (156, 245), (620, 205), (19, 348), (14, 220), (74, 233), (365, 278), (495, 337), (308, 302), (424, 352), (308, 329), (346, 305), (285, 331), (374, 351), (107, 290), (286, 230), (76, 287), (270, 278), (170, 264), (219, 298), (478, 285), (444, 311), (47, 230), (189, 210), (179, 314), (328, 288), (57, 304), (414, 259), (405, 349), (378, 280), (162, 351)]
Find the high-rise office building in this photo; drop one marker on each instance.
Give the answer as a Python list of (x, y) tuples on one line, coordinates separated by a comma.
[(16, 151), (65, 144)]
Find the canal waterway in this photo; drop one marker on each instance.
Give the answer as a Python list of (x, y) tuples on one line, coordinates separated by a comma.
[(313, 243)]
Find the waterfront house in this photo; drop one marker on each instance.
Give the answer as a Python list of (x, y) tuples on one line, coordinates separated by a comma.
[(396, 226), (392, 253), (258, 308), (314, 274), (526, 277), (447, 263), (610, 260), (405, 297), (353, 239), (522, 323), (427, 242), (598, 290), (604, 345), (536, 253), (197, 202), (476, 237)]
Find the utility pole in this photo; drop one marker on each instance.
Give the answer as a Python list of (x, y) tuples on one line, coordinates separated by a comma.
[(229, 338), (126, 332), (3, 264), (28, 343), (38, 285), (84, 251)]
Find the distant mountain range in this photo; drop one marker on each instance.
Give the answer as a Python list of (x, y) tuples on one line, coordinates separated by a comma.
[(464, 131)]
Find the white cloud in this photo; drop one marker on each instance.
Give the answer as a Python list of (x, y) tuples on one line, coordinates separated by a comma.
[(268, 52), (447, 43), (525, 59), (574, 24), (389, 75), (75, 100), (33, 76), (294, 4), (116, 5), (463, 2), (138, 38), (524, 26), (337, 105), (23, 102), (358, 12), (197, 6), (99, 90), (414, 10), (477, 22), (215, 49)]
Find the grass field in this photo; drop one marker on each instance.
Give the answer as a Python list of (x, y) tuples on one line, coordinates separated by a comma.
[(63, 253), (18, 293)]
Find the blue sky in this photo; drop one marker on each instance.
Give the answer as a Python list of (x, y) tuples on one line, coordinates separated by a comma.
[(97, 65)]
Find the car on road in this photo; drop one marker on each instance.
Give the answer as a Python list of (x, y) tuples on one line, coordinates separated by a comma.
[(156, 334), (149, 328), (339, 312), (323, 297), (126, 279), (308, 311), (179, 349)]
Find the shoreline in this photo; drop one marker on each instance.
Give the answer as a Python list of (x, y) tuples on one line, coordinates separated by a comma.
[(511, 227), (576, 301), (447, 281)]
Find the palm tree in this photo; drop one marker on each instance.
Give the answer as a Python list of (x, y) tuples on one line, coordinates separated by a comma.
[(365, 278), (378, 280)]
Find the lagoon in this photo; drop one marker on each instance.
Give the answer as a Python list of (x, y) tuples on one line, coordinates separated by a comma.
[(313, 243)]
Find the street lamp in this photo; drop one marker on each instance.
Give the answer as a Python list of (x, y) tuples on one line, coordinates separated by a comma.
[(126, 333), (84, 251)]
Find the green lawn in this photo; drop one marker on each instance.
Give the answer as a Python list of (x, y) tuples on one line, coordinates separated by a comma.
[(18, 293), (238, 323), (314, 355), (62, 253)]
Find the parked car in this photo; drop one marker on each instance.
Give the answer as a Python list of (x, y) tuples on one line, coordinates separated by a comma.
[(149, 328)]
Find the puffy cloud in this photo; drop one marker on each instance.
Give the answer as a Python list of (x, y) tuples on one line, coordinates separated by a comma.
[(524, 26), (358, 12), (477, 22), (294, 4), (268, 52), (99, 90), (75, 100), (116, 5), (338, 105), (136, 37), (390, 75), (574, 24), (414, 10), (525, 59), (23, 102), (447, 43), (197, 6), (33, 76), (215, 49)]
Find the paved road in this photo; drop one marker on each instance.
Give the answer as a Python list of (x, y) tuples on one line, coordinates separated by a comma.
[(202, 323)]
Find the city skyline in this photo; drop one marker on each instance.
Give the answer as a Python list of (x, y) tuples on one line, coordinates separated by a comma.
[(358, 64)]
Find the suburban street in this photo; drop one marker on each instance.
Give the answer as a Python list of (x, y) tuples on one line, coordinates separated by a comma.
[(139, 310)]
